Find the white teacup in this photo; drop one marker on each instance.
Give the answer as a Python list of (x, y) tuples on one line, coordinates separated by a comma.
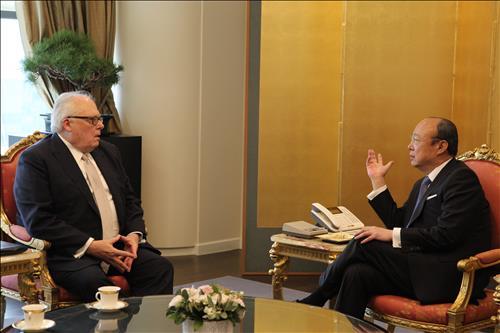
[(33, 315), (107, 296), (106, 325)]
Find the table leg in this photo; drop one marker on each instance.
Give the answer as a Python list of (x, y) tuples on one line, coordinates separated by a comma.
[(2, 310), (278, 272)]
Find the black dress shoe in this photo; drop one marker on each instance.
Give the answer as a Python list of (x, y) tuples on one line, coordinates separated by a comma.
[(315, 299)]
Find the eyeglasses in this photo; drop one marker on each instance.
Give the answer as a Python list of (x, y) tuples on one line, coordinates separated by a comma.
[(91, 120)]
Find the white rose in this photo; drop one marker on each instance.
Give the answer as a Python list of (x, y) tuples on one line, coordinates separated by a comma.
[(176, 301), (215, 298), (210, 313)]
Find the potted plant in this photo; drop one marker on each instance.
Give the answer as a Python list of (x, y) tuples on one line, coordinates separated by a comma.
[(69, 60)]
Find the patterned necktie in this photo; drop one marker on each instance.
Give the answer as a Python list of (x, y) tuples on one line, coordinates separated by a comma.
[(423, 187), (109, 229)]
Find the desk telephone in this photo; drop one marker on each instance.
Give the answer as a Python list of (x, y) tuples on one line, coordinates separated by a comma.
[(335, 219), (303, 229)]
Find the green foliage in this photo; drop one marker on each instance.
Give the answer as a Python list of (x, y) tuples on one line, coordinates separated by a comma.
[(70, 56), (206, 303)]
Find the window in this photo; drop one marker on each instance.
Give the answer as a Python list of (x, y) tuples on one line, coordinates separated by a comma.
[(21, 104)]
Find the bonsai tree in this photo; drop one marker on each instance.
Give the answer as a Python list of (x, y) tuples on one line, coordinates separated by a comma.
[(70, 58)]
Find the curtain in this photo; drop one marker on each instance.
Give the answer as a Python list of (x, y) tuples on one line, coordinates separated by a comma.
[(97, 19)]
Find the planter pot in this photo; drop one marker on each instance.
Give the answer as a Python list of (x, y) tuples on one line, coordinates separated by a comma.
[(47, 121), (221, 326)]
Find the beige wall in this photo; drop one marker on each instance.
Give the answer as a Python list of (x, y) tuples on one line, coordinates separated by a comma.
[(183, 91)]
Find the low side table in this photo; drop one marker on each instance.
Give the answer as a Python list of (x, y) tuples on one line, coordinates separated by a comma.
[(285, 247), (26, 265)]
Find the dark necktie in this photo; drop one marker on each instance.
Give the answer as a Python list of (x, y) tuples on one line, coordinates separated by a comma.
[(423, 187)]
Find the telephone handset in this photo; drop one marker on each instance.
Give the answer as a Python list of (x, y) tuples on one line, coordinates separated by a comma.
[(335, 219)]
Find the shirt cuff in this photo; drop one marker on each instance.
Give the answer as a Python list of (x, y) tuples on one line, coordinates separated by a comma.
[(396, 238), (81, 251), (141, 236), (376, 192)]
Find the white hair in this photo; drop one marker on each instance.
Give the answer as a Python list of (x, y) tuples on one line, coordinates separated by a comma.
[(63, 109)]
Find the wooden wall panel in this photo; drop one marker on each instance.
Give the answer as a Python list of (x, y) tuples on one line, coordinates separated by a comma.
[(472, 103), (299, 109), (398, 70)]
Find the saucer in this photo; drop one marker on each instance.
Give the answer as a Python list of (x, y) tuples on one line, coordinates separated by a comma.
[(119, 305), (21, 325)]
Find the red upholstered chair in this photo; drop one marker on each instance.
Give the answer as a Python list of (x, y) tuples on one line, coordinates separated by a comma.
[(459, 316), (49, 293)]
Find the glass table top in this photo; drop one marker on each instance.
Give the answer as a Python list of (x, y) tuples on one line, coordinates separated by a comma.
[(147, 314)]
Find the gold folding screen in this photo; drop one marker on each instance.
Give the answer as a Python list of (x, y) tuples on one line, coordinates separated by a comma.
[(300, 101), (339, 77), (473, 105), (398, 70)]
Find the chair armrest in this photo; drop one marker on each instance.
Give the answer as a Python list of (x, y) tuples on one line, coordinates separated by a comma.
[(489, 258), (20, 235), (469, 267)]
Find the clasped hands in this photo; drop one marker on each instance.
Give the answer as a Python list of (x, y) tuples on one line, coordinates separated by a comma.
[(120, 259), (376, 170)]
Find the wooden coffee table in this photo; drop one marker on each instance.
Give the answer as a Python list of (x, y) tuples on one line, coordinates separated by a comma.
[(285, 247)]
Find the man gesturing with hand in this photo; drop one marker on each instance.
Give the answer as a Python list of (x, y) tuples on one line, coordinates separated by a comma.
[(445, 219)]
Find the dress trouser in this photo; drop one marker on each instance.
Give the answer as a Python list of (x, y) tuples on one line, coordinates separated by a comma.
[(362, 271), (151, 274)]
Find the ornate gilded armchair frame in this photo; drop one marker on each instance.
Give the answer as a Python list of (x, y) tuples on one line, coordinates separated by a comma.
[(457, 311)]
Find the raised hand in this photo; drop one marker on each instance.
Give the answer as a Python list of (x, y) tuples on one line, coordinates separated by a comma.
[(104, 250), (376, 169)]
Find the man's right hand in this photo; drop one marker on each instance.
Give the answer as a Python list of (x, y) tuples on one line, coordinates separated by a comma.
[(376, 169), (104, 250)]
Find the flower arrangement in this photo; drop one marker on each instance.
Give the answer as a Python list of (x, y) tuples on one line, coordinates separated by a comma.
[(208, 302)]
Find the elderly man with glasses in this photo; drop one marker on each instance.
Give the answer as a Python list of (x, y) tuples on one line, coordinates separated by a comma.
[(72, 190), (445, 219)]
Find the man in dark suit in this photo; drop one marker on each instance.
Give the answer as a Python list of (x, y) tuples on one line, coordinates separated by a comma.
[(445, 219), (72, 190)]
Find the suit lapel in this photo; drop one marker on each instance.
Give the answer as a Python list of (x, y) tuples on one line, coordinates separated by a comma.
[(71, 169), (432, 188)]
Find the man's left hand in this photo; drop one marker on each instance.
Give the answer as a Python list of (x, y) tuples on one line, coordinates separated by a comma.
[(370, 233), (131, 243)]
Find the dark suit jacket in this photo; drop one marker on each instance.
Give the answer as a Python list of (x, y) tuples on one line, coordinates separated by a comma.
[(54, 201), (451, 223)]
